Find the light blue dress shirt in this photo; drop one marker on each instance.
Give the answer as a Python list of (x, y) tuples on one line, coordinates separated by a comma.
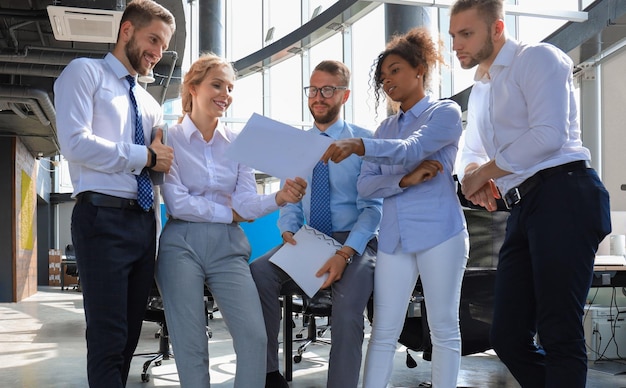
[(422, 216), (96, 126), (204, 185), (523, 113), (349, 211)]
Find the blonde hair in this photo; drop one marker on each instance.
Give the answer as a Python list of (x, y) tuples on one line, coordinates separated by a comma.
[(196, 74)]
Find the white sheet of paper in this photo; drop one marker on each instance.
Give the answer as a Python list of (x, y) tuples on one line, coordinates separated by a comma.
[(277, 149), (303, 260)]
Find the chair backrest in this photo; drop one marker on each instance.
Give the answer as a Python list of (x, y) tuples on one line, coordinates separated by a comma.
[(70, 254)]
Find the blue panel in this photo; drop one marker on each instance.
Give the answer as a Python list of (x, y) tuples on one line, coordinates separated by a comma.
[(263, 233)]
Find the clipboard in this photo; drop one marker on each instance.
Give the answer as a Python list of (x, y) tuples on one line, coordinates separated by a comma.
[(158, 177), (303, 260)]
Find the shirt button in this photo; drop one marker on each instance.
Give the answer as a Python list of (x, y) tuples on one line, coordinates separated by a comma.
[(132, 170)]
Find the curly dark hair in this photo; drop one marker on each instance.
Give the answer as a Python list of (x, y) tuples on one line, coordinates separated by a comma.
[(417, 48)]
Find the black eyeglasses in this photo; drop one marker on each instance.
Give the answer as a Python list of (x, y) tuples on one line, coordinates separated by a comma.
[(327, 91)]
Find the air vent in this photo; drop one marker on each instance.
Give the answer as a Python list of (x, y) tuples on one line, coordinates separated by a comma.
[(84, 24)]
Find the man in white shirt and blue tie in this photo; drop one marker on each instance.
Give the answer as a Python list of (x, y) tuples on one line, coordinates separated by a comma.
[(100, 109)]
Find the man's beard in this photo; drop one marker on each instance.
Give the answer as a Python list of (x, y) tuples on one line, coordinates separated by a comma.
[(483, 54), (134, 55), (331, 114)]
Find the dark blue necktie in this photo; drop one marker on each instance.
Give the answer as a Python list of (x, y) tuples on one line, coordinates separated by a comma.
[(145, 195), (320, 218)]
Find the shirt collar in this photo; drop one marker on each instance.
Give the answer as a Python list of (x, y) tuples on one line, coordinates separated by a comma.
[(334, 131), (117, 67), (505, 58), (418, 108), (189, 128)]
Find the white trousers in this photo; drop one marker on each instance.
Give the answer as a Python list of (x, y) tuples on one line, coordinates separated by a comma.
[(441, 269)]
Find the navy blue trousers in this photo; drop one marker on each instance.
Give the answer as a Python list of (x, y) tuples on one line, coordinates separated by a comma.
[(544, 274), (115, 253)]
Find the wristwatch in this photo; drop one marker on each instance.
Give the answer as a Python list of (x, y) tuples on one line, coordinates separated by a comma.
[(346, 256)]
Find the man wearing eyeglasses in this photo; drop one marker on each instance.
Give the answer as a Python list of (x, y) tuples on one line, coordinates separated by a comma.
[(355, 223)]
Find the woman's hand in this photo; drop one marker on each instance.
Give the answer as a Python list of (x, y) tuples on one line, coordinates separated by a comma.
[(292, 191), (427, 170), (238, 218), (341, 149)]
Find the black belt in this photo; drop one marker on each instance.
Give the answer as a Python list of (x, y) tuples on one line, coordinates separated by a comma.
[(104, 200), (515, 195)]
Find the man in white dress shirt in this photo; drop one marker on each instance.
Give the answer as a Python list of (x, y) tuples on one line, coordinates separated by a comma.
[(113, 232), (523, 141)]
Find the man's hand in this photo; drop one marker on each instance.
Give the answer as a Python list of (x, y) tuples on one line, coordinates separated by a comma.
[(291, 192), (335, 267), (164, 153), (288, 238), (341, 149), (427, 170), (479, 189)]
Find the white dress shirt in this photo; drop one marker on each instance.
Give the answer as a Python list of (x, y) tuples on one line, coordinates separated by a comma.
[(96, 126), (204, 185), (523, 113)]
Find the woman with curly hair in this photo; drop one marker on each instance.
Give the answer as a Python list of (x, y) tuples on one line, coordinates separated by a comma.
[(409, 164)]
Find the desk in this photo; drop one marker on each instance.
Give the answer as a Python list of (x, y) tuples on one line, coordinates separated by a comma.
[(609, 276)]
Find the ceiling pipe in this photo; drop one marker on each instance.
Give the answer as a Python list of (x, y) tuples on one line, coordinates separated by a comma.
[(16, 109), (32, 104), (24, 94), (49, 56), (25, 14), (52, 71)]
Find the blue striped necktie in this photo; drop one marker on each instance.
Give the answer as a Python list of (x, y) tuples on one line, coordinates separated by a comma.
[(320, 217), (145, 195)]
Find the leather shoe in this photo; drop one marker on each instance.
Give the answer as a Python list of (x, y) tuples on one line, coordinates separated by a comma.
[(275, 380)]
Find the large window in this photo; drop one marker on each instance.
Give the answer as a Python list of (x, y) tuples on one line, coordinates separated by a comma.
[(277, 90), (285, 91)]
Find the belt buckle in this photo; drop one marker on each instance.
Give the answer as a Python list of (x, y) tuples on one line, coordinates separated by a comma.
[(512, 197)]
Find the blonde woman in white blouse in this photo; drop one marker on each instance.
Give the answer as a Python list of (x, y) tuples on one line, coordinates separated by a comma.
[(206, 196)]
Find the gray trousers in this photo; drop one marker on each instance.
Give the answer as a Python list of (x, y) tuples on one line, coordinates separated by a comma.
[(349, 298), (190, 255)]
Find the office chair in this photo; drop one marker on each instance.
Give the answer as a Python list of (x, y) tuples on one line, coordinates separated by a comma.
[(70, 268), (320, 305), (156, 313)]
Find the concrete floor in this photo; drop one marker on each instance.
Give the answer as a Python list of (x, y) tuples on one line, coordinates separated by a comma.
[(42, 345)]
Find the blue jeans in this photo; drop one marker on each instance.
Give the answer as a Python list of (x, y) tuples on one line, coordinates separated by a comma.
[(544, 273)]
